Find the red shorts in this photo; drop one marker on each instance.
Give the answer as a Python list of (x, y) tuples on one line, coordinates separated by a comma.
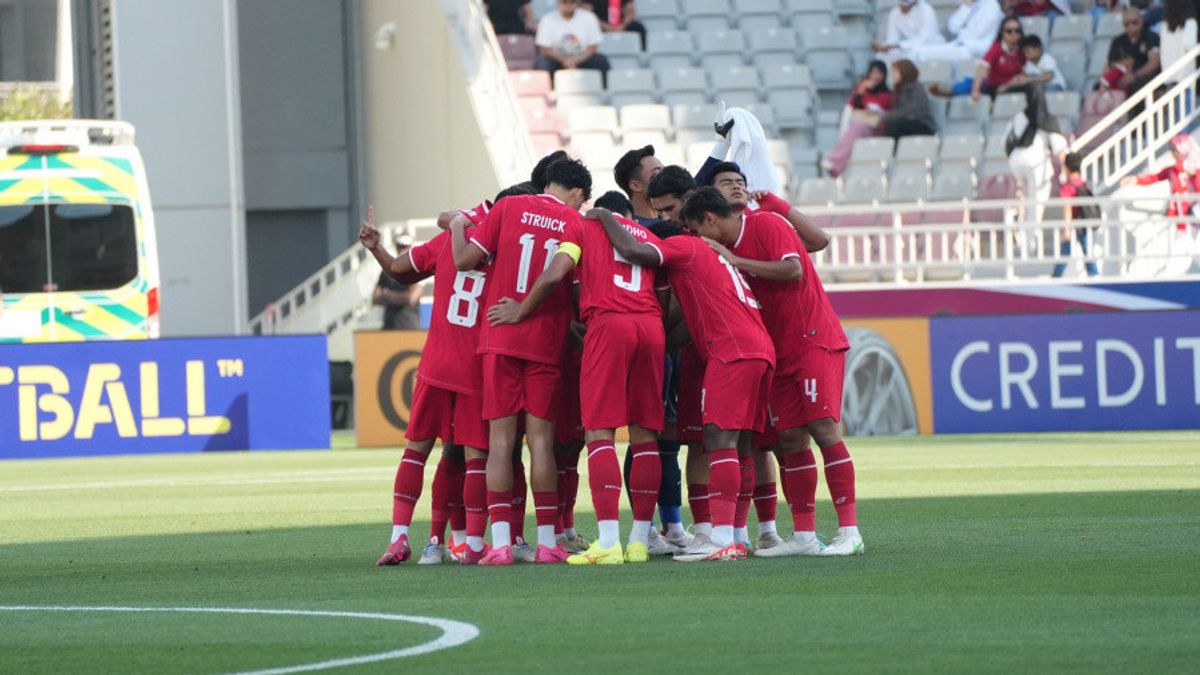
[(769, 438), (810, 391), (623, 366), (689, 419), (511, 385), (735, 394), (448, 415), (568, 427)]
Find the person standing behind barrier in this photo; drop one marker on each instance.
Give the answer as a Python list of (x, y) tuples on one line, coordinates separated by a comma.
[(1075, 186), (1033, 138), (1184, 176), (401, 302)]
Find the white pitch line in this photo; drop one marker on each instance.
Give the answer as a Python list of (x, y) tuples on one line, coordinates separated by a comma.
[(454, 633), (331, 476)]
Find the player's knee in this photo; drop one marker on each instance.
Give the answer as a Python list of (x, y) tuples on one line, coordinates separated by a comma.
[(825, 432)]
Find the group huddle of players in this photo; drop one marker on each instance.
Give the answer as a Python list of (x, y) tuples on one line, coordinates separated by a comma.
[(680, 313)]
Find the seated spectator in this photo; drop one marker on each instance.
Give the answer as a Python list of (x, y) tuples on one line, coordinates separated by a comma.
[(1120, 64), (1050, 8), (1040, 67), (1142, 44), (864, 111), (620, 15), (973, 26), (569, 39), (511, 16), (999, 70), (911, 114), (910, 24)]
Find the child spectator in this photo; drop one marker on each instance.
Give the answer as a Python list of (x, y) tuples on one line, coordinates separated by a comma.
[(1073, 187), (1120, 64), (1041, 67)]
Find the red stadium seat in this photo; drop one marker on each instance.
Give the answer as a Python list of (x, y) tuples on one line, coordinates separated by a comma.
[(519, 51), (531, 82)]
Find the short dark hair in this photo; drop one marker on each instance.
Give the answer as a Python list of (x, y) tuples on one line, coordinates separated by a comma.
[(1031, 41), (525, 188), (673, 180), (538, 175), (570, 174), (1073, 161), (628, 165), (723, 167), (616, 202), (702, 202)]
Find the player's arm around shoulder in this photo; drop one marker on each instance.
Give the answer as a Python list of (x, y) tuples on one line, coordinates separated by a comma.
[(785, 269), (629, 247), (508, 310)]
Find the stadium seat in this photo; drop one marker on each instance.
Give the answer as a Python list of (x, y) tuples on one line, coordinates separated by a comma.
[(545, 143), (519, 51), (921, 150), (993, 147), (646, 118), (1037, 25), (872, 150), (683, 85), (960, 153), (994, 187), (1097, 59), (936, 72), (670, 153), (1072, 29), (669, 49), (720, 48), (765, 113), (908, 183), (854, 8), (965, 115), (819, 192), (793, 108), (578, 81), (1108, 26), (771, 46), (693, 123), (705, 15), (828, 128), (787, 77), (629, 87), (658, 15), (642, 138), (1071, 63), (531, 83), (731, 80), (828, 58), (1006, 106), (804, 161), (598, 118), (544, 120), (595, 148), (954, 185), (763, 19), (623, 49), (1065, 105), (810, 14), (1096, 106)]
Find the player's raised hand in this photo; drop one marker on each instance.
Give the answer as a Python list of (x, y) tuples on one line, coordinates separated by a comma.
[(759, 195), (505, 311), (719, 248), (368, 234)]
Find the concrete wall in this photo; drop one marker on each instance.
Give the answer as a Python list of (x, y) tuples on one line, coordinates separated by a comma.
[(28, 39), (176, 63), (424, 152)]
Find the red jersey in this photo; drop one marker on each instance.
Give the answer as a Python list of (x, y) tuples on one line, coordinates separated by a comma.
[(1182, 182), (457, 313), (1003, 65), (720, 309), (521, 234), (608, 282), (790, 309)]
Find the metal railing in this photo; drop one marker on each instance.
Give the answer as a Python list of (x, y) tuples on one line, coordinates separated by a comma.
[(1121, 146)]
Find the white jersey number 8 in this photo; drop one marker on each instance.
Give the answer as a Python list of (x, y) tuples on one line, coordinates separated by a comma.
[(463, 309)]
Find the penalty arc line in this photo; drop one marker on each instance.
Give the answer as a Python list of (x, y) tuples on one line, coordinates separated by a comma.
[(454, 633)]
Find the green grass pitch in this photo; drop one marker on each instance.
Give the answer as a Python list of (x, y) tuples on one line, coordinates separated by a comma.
[(1033, 553)]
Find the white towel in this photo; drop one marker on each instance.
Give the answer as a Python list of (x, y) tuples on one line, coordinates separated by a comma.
[(748, 147)]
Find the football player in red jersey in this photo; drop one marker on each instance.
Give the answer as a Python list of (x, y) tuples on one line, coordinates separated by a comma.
[(723, 319), (523, 365), (622, 369), (810, 350)]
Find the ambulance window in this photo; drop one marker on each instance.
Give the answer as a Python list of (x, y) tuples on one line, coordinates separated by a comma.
[(94, 246), (22, 249)]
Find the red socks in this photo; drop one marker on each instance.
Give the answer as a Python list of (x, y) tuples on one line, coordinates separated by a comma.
[(545, 507), (745, 490), (698, 502), (604, 478), (499, 506), (475, 497), (519, 490), (800, 486), (447, 498), (839, 476), (410, 479), (766, 502), (724, 477), (645, 475)]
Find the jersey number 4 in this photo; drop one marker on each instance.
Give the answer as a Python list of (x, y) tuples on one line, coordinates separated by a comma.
[(463, 309), (528, 243)]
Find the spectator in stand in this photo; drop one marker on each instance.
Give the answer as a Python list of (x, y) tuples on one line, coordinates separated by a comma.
[(973, 24), (1120, 64), (1033, 140), (1000, 69), (569, 39), (619, 15), (511, 16), (911, 114), (1184, 176), (1074, 186), (1142, 44), (401, 302), (864, 111), (1040, 67), (910, 24), (1178, 36), (1050, 8)]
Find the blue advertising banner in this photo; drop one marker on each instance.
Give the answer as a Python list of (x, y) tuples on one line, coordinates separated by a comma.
[(171, 395), (1066, 372)]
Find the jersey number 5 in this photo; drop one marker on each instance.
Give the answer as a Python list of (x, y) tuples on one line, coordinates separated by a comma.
[(633, 284), (463, 309), (528, 241)]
